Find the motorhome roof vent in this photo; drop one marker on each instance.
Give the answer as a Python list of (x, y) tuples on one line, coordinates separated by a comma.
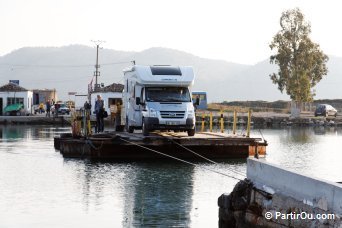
[(165, 70)]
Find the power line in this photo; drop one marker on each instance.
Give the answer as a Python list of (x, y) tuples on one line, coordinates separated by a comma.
[(57, 80), (44, 66), (44, 81), (60, 66), (103, 64)]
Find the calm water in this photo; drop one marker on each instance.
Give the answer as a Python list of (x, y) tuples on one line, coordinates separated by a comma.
[(39, 188)]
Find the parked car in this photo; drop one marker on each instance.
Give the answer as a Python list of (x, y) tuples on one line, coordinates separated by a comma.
[(62, 109), (325, 110), (14, 110)]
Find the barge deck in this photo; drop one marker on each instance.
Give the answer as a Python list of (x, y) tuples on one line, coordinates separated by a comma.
[(135, 146)]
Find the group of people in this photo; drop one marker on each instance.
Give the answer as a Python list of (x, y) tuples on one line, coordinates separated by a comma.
[(99, 111)]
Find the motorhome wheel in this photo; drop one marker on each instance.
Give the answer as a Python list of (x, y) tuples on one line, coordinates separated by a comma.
[(191, 132), (144, 128)]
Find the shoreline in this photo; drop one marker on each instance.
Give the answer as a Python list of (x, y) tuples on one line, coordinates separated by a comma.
[(260, 119), (33, 120), (270, 119)]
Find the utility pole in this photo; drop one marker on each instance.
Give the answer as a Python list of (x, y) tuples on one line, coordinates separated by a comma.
[(97, 66)]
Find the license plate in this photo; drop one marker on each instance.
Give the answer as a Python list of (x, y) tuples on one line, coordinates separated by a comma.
[(172, 123)]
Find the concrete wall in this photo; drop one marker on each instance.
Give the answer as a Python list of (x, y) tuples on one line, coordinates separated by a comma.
[(315, 192), (272, 196)]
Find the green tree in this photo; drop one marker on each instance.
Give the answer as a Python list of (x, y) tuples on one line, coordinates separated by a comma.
[(301, 62)]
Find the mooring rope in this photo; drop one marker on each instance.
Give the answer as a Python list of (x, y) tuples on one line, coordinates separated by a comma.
[(178, 159), (88, 141), (207, 159), (262, 135)]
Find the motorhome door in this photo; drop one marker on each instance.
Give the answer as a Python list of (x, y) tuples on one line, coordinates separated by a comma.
[(136, 115)]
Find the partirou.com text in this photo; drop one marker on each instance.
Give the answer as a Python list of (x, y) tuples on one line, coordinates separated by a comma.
[(298, 215)]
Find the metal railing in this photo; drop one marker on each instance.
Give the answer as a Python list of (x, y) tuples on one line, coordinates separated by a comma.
[(221, 121)]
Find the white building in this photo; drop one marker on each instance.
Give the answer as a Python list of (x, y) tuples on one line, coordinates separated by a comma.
[(110, 94), (14, 94)]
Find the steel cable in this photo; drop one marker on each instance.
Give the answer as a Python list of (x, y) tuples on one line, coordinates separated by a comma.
[(207, 159), (178, 159)]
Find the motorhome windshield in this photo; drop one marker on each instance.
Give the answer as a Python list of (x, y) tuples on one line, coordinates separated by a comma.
[(168, 94)]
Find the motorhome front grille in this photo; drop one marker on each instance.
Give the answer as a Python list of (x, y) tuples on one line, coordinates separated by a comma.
[(172, 114)]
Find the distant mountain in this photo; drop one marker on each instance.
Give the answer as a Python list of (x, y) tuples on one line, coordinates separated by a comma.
[(264, 89), (70, 69), (328, 88)]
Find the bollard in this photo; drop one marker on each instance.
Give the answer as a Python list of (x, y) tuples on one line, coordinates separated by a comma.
[(85, 126), (222, 127), (234, 122), (256, 154), (202, 128), (79, 127), (88, 123), (249, 123), (211, 122)]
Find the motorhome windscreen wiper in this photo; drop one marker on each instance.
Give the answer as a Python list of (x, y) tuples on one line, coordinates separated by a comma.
[(163, 100), (176, 100)]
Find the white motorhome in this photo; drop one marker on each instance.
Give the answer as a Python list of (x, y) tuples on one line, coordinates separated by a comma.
[(158, 98)]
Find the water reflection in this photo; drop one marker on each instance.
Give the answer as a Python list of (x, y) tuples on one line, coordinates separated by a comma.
[(313, 151), (144, 194), (26, 132), (326, 130), (12, 132), (298, 136), (162, 194), (39, 188)]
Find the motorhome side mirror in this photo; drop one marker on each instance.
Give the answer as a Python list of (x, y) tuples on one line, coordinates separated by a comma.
[(137, 101)]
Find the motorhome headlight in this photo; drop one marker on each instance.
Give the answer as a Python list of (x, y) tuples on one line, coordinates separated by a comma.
[(153, 113), (191, 114)]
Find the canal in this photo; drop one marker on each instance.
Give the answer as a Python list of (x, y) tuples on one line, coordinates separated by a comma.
[(40, 188)]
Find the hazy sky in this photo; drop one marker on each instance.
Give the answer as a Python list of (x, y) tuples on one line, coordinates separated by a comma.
[(238, 31)]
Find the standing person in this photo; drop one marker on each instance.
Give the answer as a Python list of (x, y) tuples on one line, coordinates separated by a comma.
[(87, 107), (41, 107), (87, 113), (113, 110), (56, 109), (99, 110), (48, 108), (118, 115), (197, 102)]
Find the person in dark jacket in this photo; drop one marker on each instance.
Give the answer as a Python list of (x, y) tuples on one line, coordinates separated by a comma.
[(99, 110), (57, 106), (87, 107), (48, 108)]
